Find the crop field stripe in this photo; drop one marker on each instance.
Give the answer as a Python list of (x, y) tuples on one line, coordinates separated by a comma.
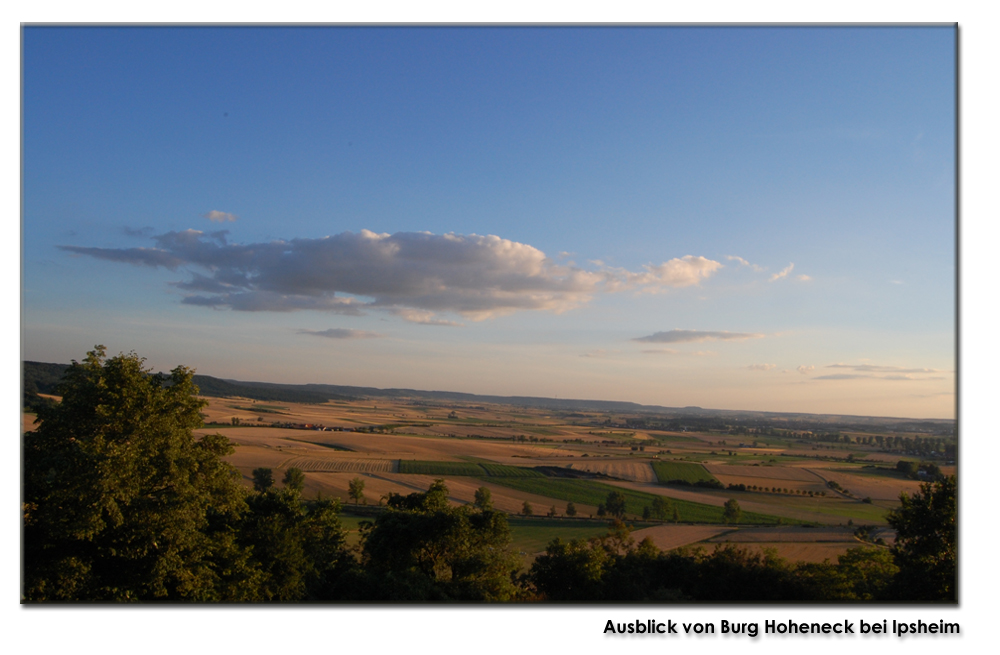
[(505, 471), (687, 471), (423, 467), (588, 492)]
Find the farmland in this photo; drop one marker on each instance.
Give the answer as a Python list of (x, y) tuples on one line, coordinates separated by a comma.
[(550, 458)]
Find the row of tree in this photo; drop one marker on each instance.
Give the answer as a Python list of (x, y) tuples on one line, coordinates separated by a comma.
[(122, 503)]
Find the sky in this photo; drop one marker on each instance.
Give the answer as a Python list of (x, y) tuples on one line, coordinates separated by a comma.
[(733, 218)]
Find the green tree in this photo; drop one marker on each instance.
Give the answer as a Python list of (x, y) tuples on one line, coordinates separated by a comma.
[(120, 501), (677, 515), (731, 511), (925, 542), (660, 508), (615, 504), (356, 490), (526, 509), (423, 549), (483, 499), (263, 478), (570, 509), (294, 479), (552, 512)]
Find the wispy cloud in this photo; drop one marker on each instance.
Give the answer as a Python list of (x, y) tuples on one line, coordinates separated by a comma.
[(595, 353), (743, 262), (137, 231), (803, 278), (872, 368), (805, 370), (422, 317), (476, 276), (342, 333), (878, 372), (660, 351), (220, 217), (685, 336), (762, 367), (782, 273)]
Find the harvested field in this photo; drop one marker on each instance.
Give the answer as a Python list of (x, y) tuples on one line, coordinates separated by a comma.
[(668, 537), (813, 553), (861, 485), (788, 534), (770, 472), (636, 471), (27, 422)]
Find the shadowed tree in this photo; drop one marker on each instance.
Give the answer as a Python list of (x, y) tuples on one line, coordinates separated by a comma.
[(731, 511), (421, 548), (294, 479), (263, 479), (526, 509), (925, 548), (615, 504), (483, 499)]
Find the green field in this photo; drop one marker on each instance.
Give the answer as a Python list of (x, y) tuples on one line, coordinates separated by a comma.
[(422, 467), (588, 492), (533, 535), (686, 471), (505, 471)]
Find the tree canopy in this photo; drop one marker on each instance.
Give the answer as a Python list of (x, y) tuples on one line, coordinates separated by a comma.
[(925, 549), (120, 501)]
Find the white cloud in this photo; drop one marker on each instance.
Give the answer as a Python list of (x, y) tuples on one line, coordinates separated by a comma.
[(685, 336), (678, 272), (476, 276), (806, 370), (762, 367), (342, 333), (782, 273), (803, 278), (220, 217)]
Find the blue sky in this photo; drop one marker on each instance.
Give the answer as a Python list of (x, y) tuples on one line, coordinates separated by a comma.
[(777, 205)]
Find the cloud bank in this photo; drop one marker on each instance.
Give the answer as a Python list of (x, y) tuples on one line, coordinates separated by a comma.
[(476, 276), (685, 336)]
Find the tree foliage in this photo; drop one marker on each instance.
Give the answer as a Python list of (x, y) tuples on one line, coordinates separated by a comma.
[(483, 499), (294, 480), (615, 504), (731, 511), (263, 478), (423, 549), (356, 490), (925, 549), (120, 501)]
